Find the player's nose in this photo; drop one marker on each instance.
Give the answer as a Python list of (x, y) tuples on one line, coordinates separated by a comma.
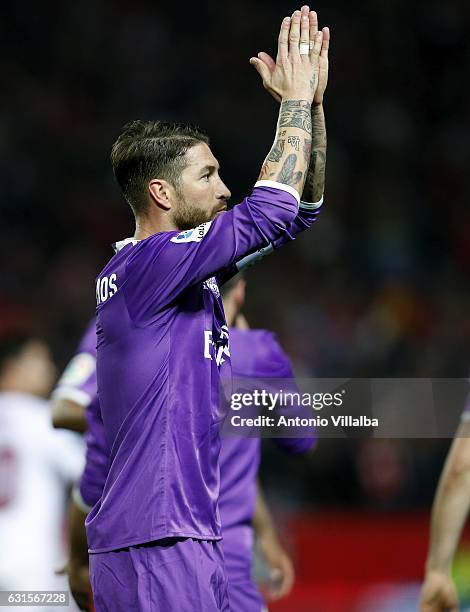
[(224, 192)]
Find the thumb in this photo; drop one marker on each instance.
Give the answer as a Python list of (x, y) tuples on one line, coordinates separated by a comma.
[(261, 69)]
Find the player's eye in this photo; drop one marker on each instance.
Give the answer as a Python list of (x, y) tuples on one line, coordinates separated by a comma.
[(205, 176)]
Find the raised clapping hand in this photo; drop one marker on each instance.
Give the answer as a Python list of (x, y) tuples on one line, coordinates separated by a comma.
[(302, 28)]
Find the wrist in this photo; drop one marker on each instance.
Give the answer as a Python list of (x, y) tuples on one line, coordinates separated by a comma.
[(267, 539), (301, 98), (438, 567)]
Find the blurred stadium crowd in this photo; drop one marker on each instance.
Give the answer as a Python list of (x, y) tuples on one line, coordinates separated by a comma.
[(379, 288)]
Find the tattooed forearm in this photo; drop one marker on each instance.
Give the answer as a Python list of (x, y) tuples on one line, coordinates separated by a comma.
[(296, 113), (315, 181), (287, 162)]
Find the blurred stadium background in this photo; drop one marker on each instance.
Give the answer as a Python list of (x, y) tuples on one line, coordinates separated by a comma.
[(380, 286)]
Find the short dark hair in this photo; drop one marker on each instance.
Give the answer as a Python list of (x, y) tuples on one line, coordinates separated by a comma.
[(151, 149)]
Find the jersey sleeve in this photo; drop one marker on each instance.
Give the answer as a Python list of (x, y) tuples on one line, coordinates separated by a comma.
[(164, 265), (306, 217)]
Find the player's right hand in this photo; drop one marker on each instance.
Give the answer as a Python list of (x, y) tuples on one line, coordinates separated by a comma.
[(295, 76), (438, 593)]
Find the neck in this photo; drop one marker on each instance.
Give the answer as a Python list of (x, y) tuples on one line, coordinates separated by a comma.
[(149, 225)]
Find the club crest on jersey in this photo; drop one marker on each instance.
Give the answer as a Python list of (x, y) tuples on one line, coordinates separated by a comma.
[(212, 285), (192, 235)]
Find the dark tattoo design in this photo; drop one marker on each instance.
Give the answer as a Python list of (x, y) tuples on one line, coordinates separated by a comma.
[(296, 113), (276, 152), (307, 149), (294, 141), (315, 179), (286, 174), (313, 82), (264, 174)]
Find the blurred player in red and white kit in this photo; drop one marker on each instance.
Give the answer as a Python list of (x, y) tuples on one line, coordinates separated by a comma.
[(37, 465)]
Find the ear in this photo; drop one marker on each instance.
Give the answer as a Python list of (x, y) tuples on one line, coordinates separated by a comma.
[(160, 193)]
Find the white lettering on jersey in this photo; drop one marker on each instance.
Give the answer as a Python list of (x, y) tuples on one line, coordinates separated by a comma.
[(221, 347), (207, 344), (105, 288), (192, 235)]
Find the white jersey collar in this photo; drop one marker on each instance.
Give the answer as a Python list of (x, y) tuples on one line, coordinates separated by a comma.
[(117, 246)]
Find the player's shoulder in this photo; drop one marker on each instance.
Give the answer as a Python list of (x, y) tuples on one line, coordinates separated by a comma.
[(140, 252), (131, 251)]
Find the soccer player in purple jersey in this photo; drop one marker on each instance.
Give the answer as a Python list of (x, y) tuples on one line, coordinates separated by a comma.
[(153, 535), (449, 513)]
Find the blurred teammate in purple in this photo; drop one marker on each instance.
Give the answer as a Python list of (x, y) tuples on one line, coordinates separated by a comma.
[(256, 354), (162, 338)]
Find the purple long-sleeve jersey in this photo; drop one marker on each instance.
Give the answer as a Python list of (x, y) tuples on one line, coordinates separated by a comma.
[(162, 348), (79, 383)]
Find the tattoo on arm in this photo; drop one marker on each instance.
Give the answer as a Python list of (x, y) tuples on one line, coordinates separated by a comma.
[(276, 152), (315, 180), (307, 149), (313, 82), (296, 113), (287, 161), (265, 174), (287, 175), (294, 141)]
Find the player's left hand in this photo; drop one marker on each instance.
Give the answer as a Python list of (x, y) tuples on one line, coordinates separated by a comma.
[(282, 575), (265, 64)]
